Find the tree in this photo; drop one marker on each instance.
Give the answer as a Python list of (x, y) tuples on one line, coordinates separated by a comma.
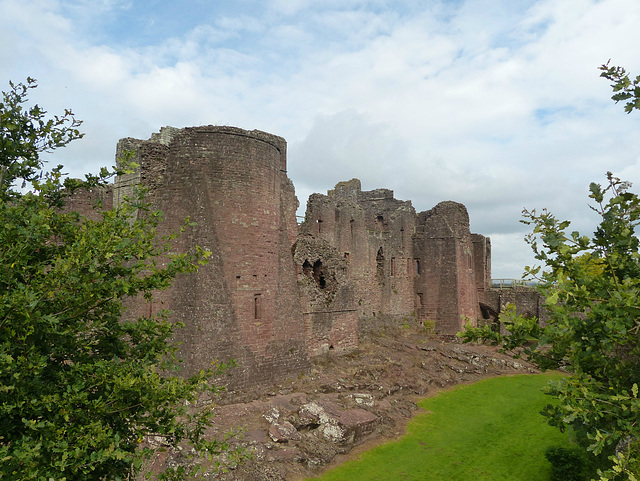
[(624, 89), (80, 387), (592, 290)]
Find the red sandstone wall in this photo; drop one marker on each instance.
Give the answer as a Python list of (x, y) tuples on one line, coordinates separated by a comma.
[(331, 322), (447, 281), (528, 301), (89, 202), (257, 303), (482, 266), (261, 305), (244, 304), (373, 232), (401, 263)]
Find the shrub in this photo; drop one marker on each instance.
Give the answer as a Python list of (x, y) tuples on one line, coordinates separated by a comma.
[(567, 464)]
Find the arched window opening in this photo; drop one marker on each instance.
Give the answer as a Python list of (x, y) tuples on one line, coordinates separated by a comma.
[(257, 306)]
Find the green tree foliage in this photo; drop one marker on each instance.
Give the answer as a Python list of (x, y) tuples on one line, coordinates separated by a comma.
[(624, 89), (566, 464), (81, 388), (592, 290)]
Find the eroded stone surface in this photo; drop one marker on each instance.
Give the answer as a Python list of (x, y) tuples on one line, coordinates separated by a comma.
[(337, 424), (282, 432)]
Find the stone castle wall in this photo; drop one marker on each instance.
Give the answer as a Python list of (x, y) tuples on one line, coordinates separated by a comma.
[(366, 229), (90, 202), (275, 294), (402, 263), (528, 303)]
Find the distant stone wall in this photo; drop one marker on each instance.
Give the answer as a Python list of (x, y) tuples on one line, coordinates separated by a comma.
[(481, 263), (528, 302), (89, 203), (444, 244), (367, 229)]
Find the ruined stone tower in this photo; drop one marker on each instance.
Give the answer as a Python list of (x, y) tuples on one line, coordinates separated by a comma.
[(244, 303), (446, 287)]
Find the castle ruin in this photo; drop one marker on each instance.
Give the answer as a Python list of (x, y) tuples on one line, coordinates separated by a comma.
[(276, 293), (366, 253)]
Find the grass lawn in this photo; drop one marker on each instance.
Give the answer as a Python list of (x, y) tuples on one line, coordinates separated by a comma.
[(490, 430)]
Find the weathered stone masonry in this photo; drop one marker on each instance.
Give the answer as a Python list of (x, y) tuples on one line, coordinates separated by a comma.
[(399, 263), (274, 293), (244, 303)]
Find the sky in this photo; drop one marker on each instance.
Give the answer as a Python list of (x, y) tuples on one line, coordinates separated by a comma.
[(496, 104)]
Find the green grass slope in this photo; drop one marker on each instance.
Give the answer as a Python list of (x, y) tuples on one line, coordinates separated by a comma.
[(488, 430)]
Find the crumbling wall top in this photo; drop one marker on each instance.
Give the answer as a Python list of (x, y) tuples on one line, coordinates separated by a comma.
[(347, 190), (319, 204), (165, 136), (376, 194), (167, 133), (447, 219), (351, 190)]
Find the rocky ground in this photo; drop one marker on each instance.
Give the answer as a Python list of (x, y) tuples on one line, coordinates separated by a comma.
[(347, 403)]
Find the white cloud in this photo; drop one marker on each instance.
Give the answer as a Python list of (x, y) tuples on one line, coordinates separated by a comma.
[(511, 254), (343, 146), (496, 104)]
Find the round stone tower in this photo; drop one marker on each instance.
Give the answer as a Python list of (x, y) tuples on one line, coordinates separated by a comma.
[(244, 304)]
